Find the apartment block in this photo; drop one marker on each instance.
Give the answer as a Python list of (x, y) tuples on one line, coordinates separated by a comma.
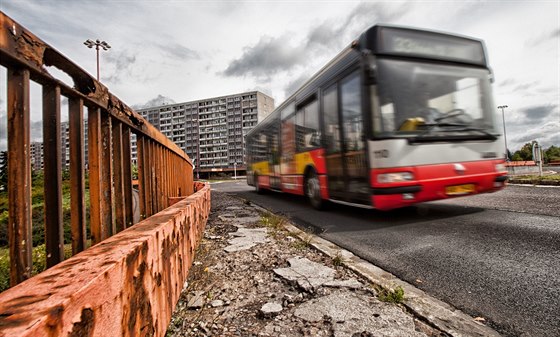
[(36, 154), (211, 131)]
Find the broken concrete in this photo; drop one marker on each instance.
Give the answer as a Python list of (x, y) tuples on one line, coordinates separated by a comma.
[(335, 302), (307, 274), (246, 238), (349, 284), (351, 314)]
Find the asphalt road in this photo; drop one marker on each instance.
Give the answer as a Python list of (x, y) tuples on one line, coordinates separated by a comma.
[(496, 256)]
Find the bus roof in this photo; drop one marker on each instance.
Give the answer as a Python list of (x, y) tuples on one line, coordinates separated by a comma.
[(383, 39)]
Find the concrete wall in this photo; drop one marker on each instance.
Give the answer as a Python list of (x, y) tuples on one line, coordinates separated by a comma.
[(127, 285), (517, 170)]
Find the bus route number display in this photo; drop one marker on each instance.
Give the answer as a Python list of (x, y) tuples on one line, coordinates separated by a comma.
[(401, 41)]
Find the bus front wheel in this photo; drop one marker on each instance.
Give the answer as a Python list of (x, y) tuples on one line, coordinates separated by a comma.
[(313, 190)]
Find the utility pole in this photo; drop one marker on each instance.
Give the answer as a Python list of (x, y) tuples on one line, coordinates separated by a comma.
[(504, 121)]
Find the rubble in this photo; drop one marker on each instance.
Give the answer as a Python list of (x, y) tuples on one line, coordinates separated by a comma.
[(252, 278)]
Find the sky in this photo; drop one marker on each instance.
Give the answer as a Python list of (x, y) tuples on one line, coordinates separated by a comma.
[(189, 50)]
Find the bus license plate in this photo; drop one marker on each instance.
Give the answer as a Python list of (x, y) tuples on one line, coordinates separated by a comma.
[(459, 189)]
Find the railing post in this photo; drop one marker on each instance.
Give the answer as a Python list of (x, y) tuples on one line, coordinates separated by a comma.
[(94, 163), (19, 176), (77, 176), (120, 222), (142, 191), (127, 177), (54, 230), (106, 176)]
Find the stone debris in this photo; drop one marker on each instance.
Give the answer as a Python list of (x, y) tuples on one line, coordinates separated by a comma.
[(217, 303), (271, 309), (239, 221), (195, 300), (308, 275), (255, 281), (246, 238)]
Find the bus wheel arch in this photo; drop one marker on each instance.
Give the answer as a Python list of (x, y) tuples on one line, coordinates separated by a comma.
[(312, 188)]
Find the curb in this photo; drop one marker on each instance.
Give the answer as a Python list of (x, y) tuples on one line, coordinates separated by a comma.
[(437, 313)]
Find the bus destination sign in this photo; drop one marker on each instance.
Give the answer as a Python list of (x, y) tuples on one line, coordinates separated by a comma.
[(430, 44)]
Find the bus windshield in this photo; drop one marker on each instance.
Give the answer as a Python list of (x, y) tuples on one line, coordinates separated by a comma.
[(432, 101)]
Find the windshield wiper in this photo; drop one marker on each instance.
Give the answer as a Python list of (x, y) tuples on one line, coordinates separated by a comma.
[(453, 127)]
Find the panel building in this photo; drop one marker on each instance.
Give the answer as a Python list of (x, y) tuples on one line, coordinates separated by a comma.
[(211, 131)]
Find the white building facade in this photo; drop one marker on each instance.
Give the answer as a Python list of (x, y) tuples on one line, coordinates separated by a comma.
[(211, 131)]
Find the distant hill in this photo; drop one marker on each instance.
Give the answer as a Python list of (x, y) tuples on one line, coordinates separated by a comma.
[(158, 101)]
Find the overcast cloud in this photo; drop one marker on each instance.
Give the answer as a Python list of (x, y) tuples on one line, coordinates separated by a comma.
[(188, 50)]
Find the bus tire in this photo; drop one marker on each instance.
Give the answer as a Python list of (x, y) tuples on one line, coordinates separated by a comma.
[(313, 190)]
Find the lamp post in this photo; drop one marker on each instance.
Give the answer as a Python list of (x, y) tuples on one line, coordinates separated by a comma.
[(504, 121), (98, 44)]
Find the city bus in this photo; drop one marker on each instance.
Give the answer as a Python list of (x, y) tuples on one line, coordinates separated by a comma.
[(400, 116)]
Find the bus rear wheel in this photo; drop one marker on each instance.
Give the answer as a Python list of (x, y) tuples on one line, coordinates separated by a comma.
[(313, 190)]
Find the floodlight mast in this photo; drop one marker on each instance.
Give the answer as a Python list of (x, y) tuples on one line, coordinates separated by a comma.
[(98, 44)]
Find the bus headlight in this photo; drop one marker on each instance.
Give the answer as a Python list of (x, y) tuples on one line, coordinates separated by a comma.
[(394, 177)]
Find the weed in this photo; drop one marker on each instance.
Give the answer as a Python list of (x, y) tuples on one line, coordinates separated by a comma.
[(272, 221), (395, 295), (338, 260), (303, 240), (275, 224)]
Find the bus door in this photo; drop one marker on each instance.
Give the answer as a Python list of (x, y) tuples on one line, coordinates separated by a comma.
[(273, 135), (345, 146)]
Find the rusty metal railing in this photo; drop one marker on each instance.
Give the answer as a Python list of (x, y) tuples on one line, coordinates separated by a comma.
[(164, 170)]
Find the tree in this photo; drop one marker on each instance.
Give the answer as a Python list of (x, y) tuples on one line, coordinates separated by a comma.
[(552, 154), (526, 152)]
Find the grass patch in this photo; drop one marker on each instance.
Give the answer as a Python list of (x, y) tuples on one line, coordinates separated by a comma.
[(395, 295), (39, 256), (275, 225), (337, 260), (303, 240), (537, 178)]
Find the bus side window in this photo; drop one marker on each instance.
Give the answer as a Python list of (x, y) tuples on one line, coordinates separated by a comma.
[(307, 126)]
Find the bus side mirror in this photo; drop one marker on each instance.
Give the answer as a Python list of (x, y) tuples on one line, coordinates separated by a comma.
[(370, 74)]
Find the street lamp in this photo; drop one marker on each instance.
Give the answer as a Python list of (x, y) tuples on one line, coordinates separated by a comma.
[(104, 45), (504, 121)]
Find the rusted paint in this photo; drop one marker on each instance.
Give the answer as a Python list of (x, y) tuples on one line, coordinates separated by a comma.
[(94, 154), (77, 175), (107, 218), (118, 179), (54, 321), (84, 328), (142, 193), (92, 288), (131, 291), (54, 231), (19, 176), (127, 178), (20, 46)]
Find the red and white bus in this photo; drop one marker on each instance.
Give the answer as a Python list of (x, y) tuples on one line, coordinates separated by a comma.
[(400, 116)]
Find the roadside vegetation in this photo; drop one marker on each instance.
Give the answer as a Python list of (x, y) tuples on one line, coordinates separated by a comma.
[(551, 154), (536, 179), (38, 228)]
